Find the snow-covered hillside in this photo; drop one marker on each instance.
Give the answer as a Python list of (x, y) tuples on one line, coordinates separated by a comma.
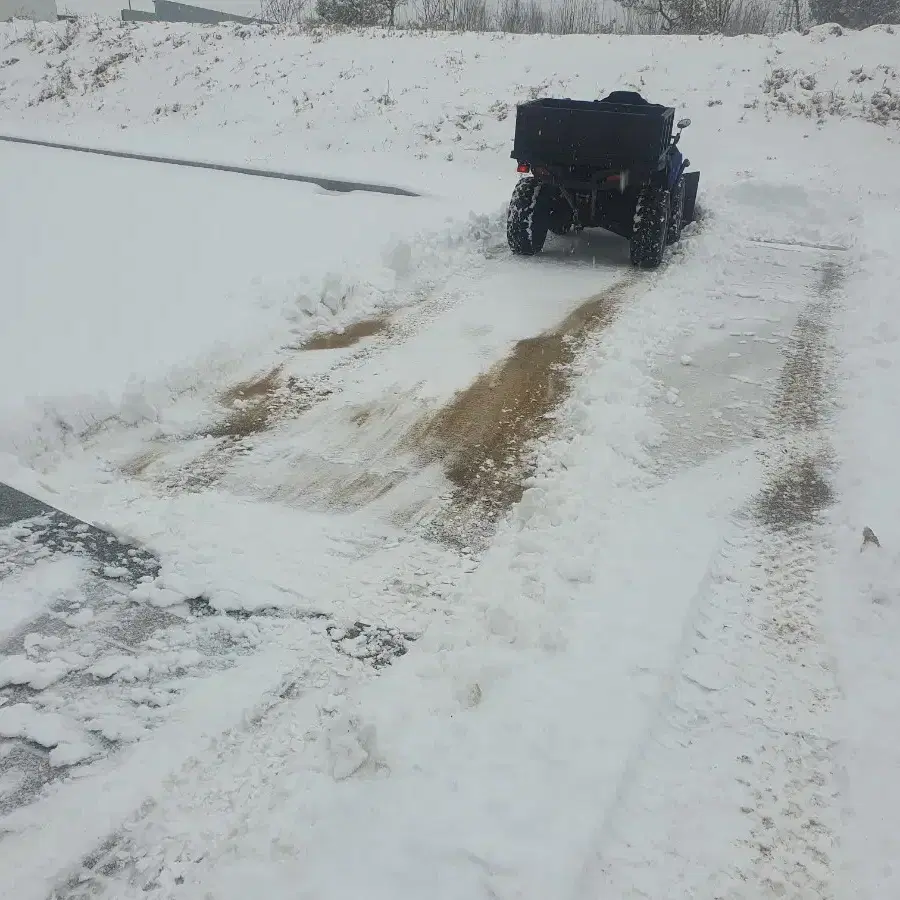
[(480, 576), (324, 100)]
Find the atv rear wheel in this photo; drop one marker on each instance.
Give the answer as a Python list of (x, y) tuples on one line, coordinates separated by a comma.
[(676, 219), (528, 217), (651, 225)]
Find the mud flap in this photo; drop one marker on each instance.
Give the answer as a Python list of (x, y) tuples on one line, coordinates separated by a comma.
[(691, 183)]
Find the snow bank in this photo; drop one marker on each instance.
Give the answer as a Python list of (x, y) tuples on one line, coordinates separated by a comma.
[(430, 107), (212, 271)]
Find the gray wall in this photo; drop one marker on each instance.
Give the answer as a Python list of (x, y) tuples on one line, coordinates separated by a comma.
[(170, 11), (137, 15)]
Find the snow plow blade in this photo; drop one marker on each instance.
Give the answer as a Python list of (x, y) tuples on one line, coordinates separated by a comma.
[(691, 183)]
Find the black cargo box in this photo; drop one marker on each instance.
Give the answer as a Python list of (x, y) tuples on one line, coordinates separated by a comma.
[(557, 132)]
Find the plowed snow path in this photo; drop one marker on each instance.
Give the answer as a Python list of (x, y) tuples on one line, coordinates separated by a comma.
[(299, 622), (694, 694), (735, 791)]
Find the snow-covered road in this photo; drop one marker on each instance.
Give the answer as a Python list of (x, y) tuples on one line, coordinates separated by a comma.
[(480, 577)]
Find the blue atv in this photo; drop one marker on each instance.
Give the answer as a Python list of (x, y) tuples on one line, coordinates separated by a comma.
[(612, 163)]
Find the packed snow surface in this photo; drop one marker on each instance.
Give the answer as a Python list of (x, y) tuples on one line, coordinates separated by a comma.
[(479, 576)]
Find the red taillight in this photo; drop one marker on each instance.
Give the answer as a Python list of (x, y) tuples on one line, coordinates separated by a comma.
[(613, 177), (523, 168)]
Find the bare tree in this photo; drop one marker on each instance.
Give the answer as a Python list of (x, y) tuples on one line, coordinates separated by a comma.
[(470, 15), (283, 12), (705, 16), (520, 17), (856, 13), (577, 17), (451, 15), (352, 13), (391, 7)]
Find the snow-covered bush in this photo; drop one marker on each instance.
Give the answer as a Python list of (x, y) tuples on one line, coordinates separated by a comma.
[(798, 92)]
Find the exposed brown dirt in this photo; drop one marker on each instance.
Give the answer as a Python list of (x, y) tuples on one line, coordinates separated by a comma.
[(139, 465), (484, 434), (253, 406), (353, 334), (250, 404)]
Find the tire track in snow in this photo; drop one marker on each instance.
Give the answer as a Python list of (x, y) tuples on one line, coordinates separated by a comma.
[(745, 724), (720, 397)]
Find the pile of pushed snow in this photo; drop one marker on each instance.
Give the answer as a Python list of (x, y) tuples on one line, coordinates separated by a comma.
[(851, 84), (104, 378)]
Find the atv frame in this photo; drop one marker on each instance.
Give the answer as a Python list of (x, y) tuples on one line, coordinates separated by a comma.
[(601, 164)]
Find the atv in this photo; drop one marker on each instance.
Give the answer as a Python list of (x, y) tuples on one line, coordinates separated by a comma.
[(612, 163)]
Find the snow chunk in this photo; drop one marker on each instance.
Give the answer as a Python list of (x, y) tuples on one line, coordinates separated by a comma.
[(109, 666), (24, 595), (21, 670), (157, 596), (45, 728), (127, 668), (76, 620), (69, 754), (35, 641)]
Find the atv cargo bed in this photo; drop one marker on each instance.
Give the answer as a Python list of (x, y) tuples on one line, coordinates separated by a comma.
[(599, 134)]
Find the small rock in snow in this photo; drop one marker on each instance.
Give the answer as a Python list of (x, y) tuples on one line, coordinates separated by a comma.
[(687, 360)]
